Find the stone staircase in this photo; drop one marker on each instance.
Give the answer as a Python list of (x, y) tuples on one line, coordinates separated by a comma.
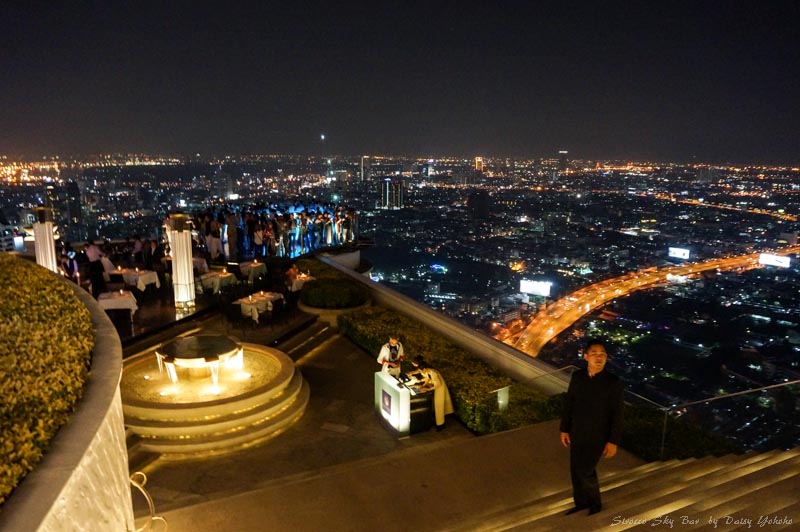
[(306, 339), (740, 491)]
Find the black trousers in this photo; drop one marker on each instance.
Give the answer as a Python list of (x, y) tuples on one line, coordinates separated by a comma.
[(96, 276), (583, 459)]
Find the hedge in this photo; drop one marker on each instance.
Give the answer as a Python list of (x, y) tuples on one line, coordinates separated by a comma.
[(471, 381), (46, 341), (334, 294), (330, 288)]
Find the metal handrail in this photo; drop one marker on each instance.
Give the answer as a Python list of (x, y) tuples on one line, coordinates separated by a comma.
[(559, 370), (734, 394), (672, 408), (647, 400), (138, 480)]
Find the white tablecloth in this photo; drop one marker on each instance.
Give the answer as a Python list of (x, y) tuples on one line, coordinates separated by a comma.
[(115, 300), (299, 281), (212, 282), (260, 302), (140, 279), (252, 270), (108, 267)]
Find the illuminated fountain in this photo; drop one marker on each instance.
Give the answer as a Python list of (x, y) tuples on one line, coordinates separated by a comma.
[(207, 394)]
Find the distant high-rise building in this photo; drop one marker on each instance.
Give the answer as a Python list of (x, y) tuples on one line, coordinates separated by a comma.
[(72, 198), (428, 168), (391, 193), (221, 184), (479, 164), (707, 175), (562, 160), (366, 168)]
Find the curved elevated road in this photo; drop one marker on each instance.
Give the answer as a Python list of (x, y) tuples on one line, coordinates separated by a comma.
[(564, 312)]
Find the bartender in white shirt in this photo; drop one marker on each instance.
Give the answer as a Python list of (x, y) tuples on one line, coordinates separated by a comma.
[(390, 356)]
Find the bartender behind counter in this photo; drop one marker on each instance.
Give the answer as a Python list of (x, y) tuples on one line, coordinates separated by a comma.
[(432, 380), (390, 356)]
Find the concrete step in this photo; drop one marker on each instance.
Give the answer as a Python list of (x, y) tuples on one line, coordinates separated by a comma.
[(738, 492), (554, 506), (307, 340), (756, 492), (669, 496), (769, 495), (623, 496), (257, 432)]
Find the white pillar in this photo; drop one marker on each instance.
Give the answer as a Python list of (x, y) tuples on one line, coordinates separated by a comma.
[(44, 241), (182, 267)]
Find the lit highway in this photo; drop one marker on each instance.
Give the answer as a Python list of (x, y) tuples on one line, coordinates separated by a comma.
[(561, 314)]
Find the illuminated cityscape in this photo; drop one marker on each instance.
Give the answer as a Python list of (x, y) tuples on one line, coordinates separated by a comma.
[(463, 237), (514, 178)]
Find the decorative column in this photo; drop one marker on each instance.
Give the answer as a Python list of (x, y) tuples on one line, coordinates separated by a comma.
[(180, 237), (43, 239)]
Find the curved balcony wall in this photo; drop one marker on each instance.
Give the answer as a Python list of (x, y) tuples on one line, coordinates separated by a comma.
[(501, 356), (82, 481)]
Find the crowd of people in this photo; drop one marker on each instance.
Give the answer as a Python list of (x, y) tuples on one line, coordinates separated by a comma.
[(227, 234), (274, 231)]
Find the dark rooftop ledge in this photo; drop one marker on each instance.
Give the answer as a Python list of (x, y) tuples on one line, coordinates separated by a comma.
[(512, 362)]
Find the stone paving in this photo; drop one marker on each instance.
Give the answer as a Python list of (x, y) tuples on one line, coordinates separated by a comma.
[(339, 468)]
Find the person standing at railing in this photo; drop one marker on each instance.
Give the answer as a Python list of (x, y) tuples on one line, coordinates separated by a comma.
[(591, 424)]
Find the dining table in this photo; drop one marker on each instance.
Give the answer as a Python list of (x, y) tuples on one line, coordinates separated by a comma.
[(138, 278), (253, 269), (299, 281), (257, 303), (118, 299), (214, 281)]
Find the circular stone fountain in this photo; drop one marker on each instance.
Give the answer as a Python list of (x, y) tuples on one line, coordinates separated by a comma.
[(207, 394)]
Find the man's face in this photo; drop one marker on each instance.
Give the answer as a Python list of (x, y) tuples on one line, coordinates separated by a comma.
[(392, 341), (596, 358)]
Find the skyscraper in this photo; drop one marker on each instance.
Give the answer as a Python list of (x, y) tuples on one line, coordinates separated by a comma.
[(562, 160), (479, 164), (366, 168), (391, 193)]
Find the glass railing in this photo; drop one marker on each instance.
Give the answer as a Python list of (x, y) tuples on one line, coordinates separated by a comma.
[(524, 403), (758, 419)]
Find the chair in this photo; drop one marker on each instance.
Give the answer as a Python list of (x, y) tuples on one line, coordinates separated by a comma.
[(265, 318), (233, 315), (233, 267)]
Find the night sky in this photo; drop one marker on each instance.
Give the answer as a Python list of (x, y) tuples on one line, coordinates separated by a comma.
[(639, 80)]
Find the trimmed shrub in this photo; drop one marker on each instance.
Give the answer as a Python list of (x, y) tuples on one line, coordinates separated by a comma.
[(472, 382), (46, 341), (331, 293), (330, 288)]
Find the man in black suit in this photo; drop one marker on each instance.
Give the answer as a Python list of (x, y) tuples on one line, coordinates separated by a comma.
[(591, 424)]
